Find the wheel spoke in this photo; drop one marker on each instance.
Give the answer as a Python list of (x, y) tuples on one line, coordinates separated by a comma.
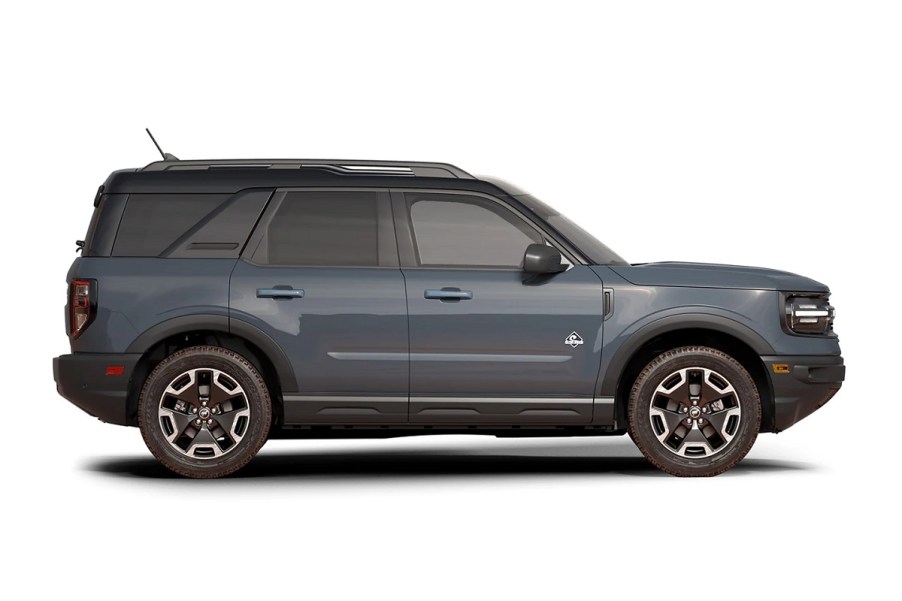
[(695, 444), (204, 445), (667, 415), (223, 388), (174, 422), (186, 437), (229, 419), (714, 387), (183, 388), (677, 437), (723, 424), (675, 386), (231, 405), (672, 420)]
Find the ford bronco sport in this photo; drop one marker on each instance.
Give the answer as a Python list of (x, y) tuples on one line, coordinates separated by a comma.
[(217, 304)]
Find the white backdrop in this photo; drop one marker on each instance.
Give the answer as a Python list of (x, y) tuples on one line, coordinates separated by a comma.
[(762, 133)]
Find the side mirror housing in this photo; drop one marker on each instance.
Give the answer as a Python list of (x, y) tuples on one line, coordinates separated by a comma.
[(541, 258)]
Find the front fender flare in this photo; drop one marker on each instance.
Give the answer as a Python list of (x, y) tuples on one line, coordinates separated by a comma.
[(682, 321)]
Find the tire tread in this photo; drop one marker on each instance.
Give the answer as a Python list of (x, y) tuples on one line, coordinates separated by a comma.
[(231, 466), (632, 417)]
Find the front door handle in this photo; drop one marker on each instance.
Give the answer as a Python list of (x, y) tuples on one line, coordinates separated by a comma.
[(279, 293), (449, 294)]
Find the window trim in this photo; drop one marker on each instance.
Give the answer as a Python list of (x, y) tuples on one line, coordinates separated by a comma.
[(405, 235), (385, 229)]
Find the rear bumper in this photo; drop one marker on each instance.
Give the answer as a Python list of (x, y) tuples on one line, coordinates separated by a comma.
[(81, 378), (802, 384)]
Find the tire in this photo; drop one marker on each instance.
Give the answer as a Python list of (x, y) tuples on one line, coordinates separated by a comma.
[(694, 411), (204, 412)]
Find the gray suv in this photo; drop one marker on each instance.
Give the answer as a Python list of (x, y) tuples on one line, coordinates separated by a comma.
[(217, 304)]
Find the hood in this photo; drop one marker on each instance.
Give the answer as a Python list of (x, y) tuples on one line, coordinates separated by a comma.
[(709, 275)]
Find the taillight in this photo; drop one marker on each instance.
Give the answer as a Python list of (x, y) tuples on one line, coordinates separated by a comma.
[(82, 306)]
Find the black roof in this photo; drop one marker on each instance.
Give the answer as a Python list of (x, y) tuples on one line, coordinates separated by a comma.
[(342, 166), (232, 175)]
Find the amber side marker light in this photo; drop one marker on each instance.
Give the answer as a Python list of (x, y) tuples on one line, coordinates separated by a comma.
[(780, 368)]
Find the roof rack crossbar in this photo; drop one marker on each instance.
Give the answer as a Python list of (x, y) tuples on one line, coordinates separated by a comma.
[(410, 168)]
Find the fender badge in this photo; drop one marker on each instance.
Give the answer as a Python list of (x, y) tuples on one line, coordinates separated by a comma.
[(574, 340)]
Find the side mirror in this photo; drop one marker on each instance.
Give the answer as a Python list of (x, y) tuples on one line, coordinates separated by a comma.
[(541, 258)]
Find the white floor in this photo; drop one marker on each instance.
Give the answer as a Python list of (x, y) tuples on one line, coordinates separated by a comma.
[(447, 516)]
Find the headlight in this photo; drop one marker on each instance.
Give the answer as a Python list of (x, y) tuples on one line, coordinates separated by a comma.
[(809, 314)]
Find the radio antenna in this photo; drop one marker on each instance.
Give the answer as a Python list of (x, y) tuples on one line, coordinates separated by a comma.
[(166, 156)]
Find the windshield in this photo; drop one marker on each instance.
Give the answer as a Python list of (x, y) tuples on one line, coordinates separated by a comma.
[(586, 243)]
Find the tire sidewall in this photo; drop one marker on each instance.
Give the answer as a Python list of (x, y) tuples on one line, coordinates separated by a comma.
[(663, 366), (235, 367)]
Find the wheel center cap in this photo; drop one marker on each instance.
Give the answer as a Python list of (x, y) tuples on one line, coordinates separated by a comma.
[(204, 413), (695, 412)]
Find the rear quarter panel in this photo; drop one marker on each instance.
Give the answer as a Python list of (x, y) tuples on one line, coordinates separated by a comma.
[(135, 294)]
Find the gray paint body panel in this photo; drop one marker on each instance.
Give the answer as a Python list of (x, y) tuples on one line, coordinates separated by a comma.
[(345, 311), (136, 294), (709, 275), (508, 341)]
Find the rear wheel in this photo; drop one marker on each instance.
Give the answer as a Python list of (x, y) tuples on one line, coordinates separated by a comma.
[(204, 412), (694, 411)]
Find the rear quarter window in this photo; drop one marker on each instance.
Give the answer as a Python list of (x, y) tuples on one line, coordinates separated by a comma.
[(152, 222)]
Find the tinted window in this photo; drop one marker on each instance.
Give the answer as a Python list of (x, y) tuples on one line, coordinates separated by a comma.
[(586, 243), (458, 230), (152, 222), (325, 229)]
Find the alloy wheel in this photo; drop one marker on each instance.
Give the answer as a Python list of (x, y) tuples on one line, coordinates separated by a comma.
[(204, 413), (695, 412)]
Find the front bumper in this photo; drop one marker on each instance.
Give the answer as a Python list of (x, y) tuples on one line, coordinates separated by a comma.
[(802, 384), (82, 378)]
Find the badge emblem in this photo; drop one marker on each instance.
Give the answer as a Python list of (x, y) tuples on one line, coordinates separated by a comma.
[(574, 340)]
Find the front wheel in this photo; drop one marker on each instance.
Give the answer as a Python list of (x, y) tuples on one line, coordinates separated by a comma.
[(694, 411), (204, 412)]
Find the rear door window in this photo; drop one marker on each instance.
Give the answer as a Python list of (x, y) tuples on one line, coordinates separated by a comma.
[(330, 228)]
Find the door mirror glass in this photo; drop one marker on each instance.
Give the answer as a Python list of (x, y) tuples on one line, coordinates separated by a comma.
[(541, 258)]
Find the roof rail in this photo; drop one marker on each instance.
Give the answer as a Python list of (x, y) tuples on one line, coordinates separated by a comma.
[(343, 167)]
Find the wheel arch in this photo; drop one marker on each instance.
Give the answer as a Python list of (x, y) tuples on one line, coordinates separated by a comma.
[(731, 337), (181, 332)]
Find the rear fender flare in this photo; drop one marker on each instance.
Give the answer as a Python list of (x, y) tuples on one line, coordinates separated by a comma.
[(220, 323)]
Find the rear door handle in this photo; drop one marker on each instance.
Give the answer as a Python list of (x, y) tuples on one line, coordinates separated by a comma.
[(449, 294), (279, 293)]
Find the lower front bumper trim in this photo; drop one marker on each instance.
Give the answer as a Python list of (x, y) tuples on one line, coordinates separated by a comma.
[(802, 385)]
